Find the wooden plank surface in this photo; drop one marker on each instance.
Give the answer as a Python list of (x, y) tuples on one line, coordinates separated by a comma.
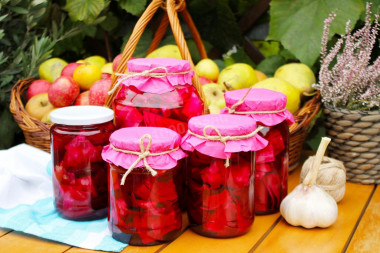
[(367, 235), (16, 242), (192, 242), (287, 238), (4, 231)]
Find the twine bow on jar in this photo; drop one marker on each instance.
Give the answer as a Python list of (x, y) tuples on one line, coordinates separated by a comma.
[(223, 139), (232, 109), (142, 155), (145, 73)]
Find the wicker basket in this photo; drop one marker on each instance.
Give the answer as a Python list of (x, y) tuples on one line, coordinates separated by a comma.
[(355, 140), (37, 132)]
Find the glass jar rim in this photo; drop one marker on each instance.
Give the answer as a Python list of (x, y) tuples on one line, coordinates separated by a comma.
[(81, 115)]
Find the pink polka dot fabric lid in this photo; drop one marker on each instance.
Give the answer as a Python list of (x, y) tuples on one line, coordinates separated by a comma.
[(172, 72), (219, 135), (264, 106), (163, 140)]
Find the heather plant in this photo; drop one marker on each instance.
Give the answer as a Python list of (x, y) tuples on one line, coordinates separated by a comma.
[(348, 77)]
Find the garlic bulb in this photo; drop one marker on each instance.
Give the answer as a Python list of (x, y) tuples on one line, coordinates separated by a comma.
[(308, 205)]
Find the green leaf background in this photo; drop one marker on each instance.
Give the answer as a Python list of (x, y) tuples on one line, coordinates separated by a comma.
[(298, 24)]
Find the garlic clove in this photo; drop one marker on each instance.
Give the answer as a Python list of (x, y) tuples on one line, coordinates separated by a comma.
[(309, 207)]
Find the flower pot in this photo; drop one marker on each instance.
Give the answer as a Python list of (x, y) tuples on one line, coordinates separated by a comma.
[(355, 140)]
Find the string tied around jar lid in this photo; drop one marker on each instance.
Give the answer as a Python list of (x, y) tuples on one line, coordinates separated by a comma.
[(145, 73), (223, 138), (232, 109), (142, 155)]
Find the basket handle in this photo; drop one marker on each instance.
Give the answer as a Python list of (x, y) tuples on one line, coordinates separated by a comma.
[(171, 16)]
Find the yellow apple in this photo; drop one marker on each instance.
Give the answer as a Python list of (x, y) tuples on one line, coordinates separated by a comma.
[(207, 68), (260, 75), (46, 117), (38, 105), (237, 76), (107, 68), (214, 95)]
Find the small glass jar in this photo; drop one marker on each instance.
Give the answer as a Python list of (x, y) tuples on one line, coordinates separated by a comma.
[(220, 174), (157, 93), (144, 208), (80, 174), (268, 109)]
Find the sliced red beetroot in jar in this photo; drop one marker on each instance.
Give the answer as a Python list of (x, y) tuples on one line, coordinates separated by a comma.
[(241, 174), (213, 175), (127, 116), (155, 120), (193, 106), (79, 153)]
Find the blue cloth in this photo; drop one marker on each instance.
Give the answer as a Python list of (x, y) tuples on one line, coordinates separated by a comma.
[(40, 217)]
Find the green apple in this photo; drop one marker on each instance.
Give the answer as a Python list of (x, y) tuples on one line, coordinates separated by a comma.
[(96, 60), (51, 69), (39, 105), (214, 94), (167, 51), (237, 76), (297, 74)]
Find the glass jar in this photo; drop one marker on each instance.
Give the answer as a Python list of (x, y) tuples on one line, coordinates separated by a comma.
[(220, 174), (157, 93), (268, 109), (144, 206), (80, 174)]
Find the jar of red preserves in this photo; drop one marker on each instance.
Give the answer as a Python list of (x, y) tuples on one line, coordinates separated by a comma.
[(145, 184), (80, 174), (157, 92), (220, 174), (268, 109)]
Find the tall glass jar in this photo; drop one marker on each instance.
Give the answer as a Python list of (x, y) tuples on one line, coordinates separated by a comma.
[(157, 92), (145, 185), (220, 174), (80, 174), (268, 109)]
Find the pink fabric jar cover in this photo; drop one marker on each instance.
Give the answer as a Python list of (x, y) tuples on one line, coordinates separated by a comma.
[(163, 139), (228, 125), (269, 105), (173, 72)]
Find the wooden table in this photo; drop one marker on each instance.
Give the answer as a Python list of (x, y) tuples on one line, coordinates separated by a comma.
[(356, 230)]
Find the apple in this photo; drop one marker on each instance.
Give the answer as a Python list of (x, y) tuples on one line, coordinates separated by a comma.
[(115, 62), (39, 105), (214, 94), (107, 68), (37, 87), (51, 69), (83, 98), (96, 60), (105, 75), (204, 80), (68, 70), (207, 68), (98, 91), (237, 76), (63, 91), (46, 117)]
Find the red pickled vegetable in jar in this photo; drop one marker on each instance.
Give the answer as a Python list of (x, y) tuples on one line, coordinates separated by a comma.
[(145, 185), (157, 92), (220, 174), (79, 172), (268, 109)]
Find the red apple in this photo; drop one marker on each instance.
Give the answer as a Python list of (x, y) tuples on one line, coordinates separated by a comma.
[(204, 80), (98, 91), (115, 62), (83, 98), (37, 87), (63, 91), (106, 75), (68, 70)]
